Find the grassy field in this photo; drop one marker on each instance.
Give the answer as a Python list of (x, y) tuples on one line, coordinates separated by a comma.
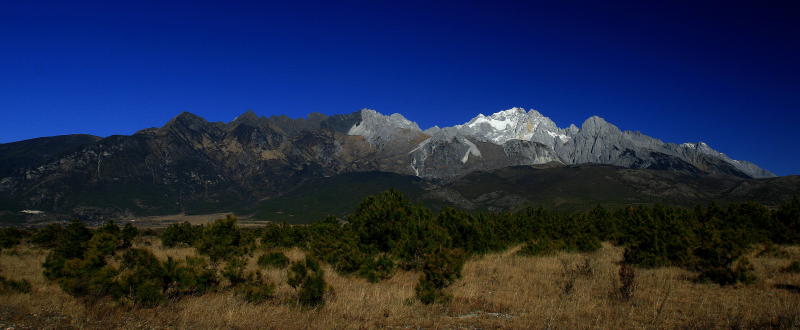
[(497, 291)]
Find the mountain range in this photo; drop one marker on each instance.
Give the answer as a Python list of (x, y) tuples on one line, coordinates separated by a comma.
[(192, 165)]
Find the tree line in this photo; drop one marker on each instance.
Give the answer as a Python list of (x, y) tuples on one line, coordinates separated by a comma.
[(387, 232)]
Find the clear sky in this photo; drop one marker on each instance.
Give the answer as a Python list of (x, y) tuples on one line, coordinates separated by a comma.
[(721, 73)]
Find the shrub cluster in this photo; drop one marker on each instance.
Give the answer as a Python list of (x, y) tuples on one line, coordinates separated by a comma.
[(273, 260), (14, 286), (793, 267), (180, 234), (378, 268), (194, 275), (79, 262), (440, 269), (11, 236), (255, 288), (710, 240), (308, 278), (387, 231)]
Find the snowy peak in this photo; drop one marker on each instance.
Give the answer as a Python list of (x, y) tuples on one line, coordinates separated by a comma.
[(595, 141), (499, 121), (514, 124), (526, 136)]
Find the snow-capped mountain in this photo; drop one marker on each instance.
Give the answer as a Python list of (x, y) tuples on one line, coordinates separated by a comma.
[(193, 163), (519, 137), (514, 124)]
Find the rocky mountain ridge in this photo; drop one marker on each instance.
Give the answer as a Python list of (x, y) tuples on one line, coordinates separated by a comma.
[(192, 165), (519, 137)]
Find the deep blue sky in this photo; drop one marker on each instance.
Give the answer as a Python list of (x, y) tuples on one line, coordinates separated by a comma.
[(727, 75)]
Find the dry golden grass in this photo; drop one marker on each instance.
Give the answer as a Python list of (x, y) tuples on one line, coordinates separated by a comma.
[(500, 290)]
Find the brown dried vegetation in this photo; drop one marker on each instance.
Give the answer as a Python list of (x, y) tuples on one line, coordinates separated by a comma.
[(498, 290)]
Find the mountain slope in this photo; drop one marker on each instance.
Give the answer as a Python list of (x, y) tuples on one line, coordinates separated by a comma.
[(583, 186), (568, 188), (596, 141), (24, 154), (192, 165), (337, 195)]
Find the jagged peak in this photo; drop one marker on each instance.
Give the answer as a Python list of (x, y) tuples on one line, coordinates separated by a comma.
[(316, 116), (511, 111), (594, 122), (535, 113), (596, 119), (396, 120), (186, 118), (188, 115), (432, 130), (247, 116), (572, 129), (513, 124)]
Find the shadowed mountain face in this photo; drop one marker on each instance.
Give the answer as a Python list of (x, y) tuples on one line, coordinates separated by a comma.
[(192, 165), (21, 155), (567, 188), (583, 186)]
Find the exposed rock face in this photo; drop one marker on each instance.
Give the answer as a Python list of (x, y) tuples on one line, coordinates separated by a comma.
[(192, 164), (598, 141), (382, 131), (189, 164), (529, 138)]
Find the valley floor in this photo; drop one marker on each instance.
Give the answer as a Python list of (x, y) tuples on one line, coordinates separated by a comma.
[(500, 290)]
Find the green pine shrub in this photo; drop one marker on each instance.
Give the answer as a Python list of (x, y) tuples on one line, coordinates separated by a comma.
[(255, 289), (378, 268), (78, 263), (276, 260), (308, 278), (192, 276), (14, 286), (222, 239), (793, 267), (150, 232), (47, 236), (339, 248), (658, 237), (741, 272), (234, 270), (127, 235), (73, 240), (786, 223), (389, 223), (142, 278), (720, 257), (283, 235), (542, 247), (440, 269), (103, 243), (178, 234), (11, 236), (109, 227)]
